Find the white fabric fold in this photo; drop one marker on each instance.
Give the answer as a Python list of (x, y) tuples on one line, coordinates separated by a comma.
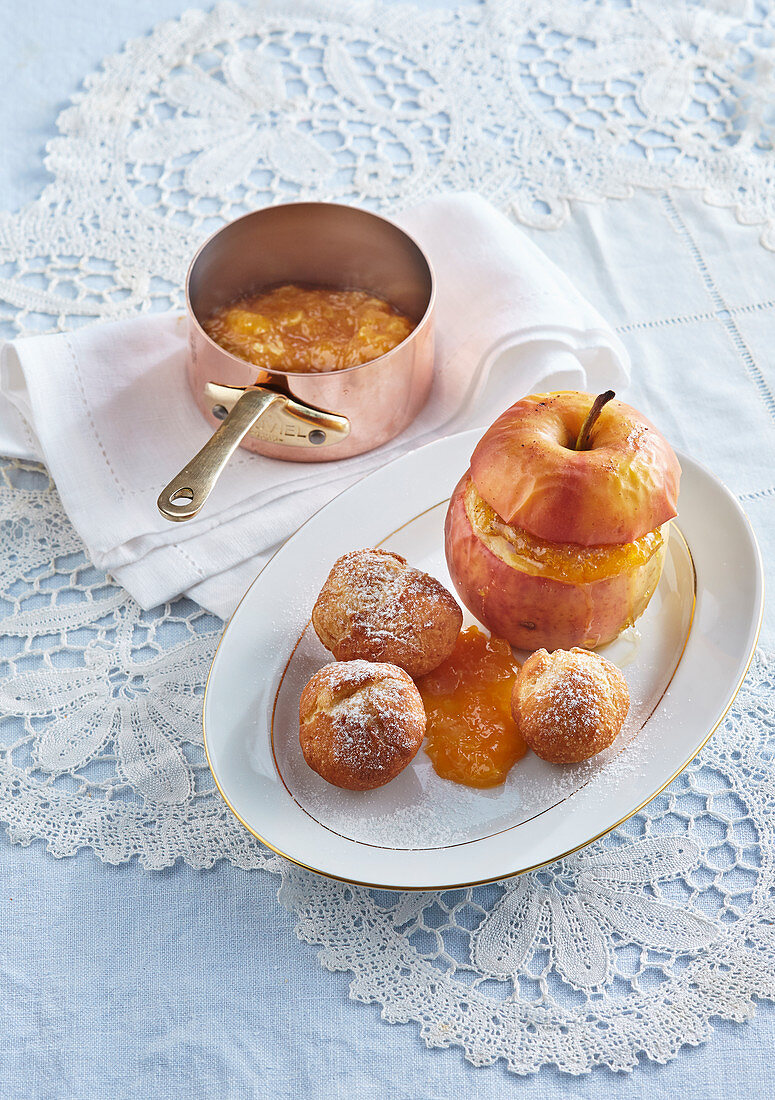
[(108, 408)]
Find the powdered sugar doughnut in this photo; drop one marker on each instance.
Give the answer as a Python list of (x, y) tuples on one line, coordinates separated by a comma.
[(360, 723), (375, 607), (570, 704)]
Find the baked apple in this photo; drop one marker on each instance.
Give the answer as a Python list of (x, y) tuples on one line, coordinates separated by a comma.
[(556, 535)]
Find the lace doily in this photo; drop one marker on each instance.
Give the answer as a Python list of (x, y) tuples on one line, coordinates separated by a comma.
[(629, 947), (531, 102)]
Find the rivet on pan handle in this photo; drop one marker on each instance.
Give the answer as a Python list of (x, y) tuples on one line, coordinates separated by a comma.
[(288, 422)]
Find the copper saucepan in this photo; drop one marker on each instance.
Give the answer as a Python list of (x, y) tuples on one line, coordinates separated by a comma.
[(312, 417)]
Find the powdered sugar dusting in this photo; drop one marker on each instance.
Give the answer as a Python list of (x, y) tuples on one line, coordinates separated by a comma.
[(574, 696), (376, 605), (376, 709), (571, 704), (360, 718), (374, 581)]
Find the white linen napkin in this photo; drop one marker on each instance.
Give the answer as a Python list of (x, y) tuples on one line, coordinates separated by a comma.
[(108, 409)]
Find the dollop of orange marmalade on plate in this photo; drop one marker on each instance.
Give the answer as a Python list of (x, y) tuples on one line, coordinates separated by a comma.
[(471, 736)]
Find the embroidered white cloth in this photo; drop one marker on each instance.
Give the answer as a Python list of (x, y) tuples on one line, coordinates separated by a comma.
[(114, 418)]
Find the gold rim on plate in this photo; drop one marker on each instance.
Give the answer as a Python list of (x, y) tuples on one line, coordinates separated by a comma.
[(508, 874)]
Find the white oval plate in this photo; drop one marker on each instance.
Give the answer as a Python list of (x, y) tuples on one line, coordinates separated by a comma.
[(684, 664)]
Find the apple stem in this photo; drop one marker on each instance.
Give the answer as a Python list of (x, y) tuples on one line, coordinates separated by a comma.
[(582, 443)]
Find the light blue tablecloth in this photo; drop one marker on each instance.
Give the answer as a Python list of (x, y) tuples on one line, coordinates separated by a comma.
[(117, 982)]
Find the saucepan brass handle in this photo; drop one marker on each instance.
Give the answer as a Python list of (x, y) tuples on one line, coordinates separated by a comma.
[(281, 417)]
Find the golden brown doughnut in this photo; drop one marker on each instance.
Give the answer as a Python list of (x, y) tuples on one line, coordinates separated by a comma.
[(570, 704), (375, 607), (360, 723)]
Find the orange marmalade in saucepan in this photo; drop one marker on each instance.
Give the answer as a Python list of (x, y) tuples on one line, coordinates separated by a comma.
[(304, 329), (471, 736)]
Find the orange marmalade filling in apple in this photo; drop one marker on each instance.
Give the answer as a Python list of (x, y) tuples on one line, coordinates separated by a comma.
[(564, 561), (471, 736), (308, 329)]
